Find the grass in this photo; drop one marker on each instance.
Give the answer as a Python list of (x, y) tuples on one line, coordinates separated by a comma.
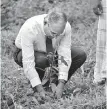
[(14, 82), (86, 94)]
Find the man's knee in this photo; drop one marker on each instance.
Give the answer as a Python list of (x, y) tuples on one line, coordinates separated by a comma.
[(41, 60), (17, 55), (83, 56)]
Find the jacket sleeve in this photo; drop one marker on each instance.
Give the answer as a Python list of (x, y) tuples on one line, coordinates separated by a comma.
[(64, 54), (27, 38)]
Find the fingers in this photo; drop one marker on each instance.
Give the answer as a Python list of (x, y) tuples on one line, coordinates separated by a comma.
[(42, 94), (53, 87), (40, 90), (59, 94), (98, 10), (59, 90), (45, 97)]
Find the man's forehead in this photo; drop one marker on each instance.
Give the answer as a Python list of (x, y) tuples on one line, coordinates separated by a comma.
[(58, 27)]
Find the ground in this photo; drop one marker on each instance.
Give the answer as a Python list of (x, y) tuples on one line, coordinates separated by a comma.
[(79, 92)]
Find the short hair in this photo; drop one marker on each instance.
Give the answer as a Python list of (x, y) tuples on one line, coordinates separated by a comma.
[(54, 16)]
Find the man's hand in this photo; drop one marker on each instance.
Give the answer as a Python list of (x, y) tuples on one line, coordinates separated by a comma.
[(41, 90), (59, 89), (98, 10)]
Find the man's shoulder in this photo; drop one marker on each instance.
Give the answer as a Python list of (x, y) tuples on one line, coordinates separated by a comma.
[(32, 21)]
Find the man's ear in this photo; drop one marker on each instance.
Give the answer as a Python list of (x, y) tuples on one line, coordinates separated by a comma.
[(45, 20)]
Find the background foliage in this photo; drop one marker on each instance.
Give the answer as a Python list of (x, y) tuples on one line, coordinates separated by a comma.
[(84, 28)]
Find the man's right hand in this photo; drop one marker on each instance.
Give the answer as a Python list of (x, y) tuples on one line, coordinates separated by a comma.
[(60, 88), (41, 90)]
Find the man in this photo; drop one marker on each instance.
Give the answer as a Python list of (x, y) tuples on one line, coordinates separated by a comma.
[(32, 49), (100, 71)]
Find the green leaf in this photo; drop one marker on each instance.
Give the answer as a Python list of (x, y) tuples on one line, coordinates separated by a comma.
[(44, 81)]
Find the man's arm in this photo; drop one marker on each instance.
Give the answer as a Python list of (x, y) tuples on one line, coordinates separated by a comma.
[(64, 51), (64, 54), (28, 58), (29, 63)]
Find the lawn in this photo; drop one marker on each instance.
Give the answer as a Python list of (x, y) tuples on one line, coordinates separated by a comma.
[(79, 92)]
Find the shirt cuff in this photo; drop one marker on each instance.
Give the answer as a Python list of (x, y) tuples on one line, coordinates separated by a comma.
[(35, 81), (63, 76)]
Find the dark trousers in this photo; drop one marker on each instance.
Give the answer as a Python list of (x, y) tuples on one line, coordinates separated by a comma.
[(78, 58)]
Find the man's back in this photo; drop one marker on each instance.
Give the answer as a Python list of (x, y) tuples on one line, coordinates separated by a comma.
[(33, 31), (31, 26)]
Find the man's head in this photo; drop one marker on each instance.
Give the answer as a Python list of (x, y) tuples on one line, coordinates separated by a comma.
[(54, 23)]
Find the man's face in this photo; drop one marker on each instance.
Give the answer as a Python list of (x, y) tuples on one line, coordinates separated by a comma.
[(54, 30)]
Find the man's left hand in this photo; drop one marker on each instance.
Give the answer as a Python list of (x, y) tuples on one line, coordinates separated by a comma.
[(59, 89)]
